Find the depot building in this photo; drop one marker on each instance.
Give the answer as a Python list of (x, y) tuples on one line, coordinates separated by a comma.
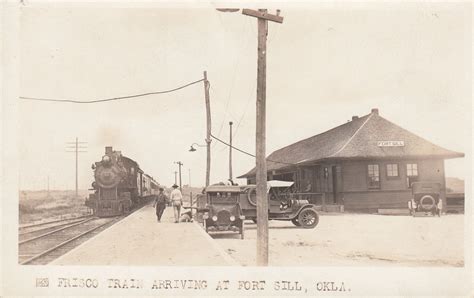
[(363, 165)]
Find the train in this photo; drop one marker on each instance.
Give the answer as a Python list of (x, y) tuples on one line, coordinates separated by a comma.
[(120, 185)]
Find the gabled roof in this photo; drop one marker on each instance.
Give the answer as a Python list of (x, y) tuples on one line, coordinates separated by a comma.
[(357, 139)]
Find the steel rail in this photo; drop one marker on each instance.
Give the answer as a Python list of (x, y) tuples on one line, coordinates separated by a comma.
[(63, 243), (51, 227), (52, 221), (55, 231)]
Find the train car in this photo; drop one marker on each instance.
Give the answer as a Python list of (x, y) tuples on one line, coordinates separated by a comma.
[(119, 185)]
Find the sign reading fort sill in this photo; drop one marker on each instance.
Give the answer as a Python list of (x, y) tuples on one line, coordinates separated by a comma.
[(390, 143)]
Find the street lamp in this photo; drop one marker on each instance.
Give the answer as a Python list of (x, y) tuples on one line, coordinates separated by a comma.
[(192, 149)]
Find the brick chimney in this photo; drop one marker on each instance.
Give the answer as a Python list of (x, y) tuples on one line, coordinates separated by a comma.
[(375, 111), (355, 117), (108, 150)]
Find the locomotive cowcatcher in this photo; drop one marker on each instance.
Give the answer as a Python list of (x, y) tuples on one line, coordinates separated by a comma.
[(119, 185)]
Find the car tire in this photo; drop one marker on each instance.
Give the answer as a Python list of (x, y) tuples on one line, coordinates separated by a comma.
[(308, 218), (249, 196), (295, 222), (429, 206)]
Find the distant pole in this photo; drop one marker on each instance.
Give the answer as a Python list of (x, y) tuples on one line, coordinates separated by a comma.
[(77, 155), (175, 177), (189, 177), (230, 151), (208, 124), (261, 176), (180, 164), (76, 145)]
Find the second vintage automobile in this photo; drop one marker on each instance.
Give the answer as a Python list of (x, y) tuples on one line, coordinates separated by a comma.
[(283, 204)]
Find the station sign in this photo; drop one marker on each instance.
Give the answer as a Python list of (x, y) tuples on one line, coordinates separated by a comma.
[(390, 143)]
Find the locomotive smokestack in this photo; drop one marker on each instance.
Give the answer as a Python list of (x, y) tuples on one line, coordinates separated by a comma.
[(108, 150)]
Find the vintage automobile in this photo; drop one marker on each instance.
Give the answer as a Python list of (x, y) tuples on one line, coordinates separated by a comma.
[(222, 211), (426, 199), (283, 204)]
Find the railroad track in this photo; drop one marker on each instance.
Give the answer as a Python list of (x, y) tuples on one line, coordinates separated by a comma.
[(41, 246), (27, 231)]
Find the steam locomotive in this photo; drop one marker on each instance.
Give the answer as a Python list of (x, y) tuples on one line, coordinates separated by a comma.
[(119, 186)]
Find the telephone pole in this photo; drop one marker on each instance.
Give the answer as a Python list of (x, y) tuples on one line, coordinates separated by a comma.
[(180, 164), (175, 177), (208, 124), (230, 152), (48, 188), (261, 176), (76, 146), (189, 177)]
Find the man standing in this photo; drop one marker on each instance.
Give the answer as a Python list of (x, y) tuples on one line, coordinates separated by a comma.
[(176, 201), (160, 204)]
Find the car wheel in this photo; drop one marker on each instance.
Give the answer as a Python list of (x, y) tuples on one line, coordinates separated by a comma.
[(296, 222), (251, 198), (308, 218), (427, 206)]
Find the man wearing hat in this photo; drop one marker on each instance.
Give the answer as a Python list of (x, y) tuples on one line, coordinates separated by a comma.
[(160, 204), (177, 202)]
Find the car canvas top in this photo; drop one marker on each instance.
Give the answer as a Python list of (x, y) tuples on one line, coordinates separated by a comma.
[(223, 188)]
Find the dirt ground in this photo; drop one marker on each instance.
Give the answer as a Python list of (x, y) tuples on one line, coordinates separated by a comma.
[(37, 206), (356, 240)]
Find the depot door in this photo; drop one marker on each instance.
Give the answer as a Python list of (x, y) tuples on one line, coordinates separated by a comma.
[(334, 183)]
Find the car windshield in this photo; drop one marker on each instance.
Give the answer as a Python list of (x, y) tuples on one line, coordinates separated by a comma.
[(223, 197)]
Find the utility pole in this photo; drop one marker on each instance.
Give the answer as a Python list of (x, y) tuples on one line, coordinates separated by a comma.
[(208, 132), (189, 177), (175, 177), (180, 164), (76, 146), (230, 152), (48, 188), (261, 166)]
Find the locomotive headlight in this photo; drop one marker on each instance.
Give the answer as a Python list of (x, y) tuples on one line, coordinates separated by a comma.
[(232, 218), (105, 158), (214, 218)]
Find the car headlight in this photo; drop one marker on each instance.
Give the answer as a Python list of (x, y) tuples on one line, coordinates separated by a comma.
[(232, 218), (214, 218)]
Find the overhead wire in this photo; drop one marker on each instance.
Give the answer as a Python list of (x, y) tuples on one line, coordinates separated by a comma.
[(110, 99), (247, 153)]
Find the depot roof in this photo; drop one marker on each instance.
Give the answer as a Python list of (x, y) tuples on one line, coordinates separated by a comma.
[(367, 137)]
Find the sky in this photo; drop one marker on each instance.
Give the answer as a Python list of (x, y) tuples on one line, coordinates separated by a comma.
[(325, 63)]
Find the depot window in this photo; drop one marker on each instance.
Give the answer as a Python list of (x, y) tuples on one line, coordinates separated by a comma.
[(412, 173), (412, 169), (373, 175), (392, 170)]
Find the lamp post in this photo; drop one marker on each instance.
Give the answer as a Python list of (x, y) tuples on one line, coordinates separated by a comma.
[(192, 149)]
